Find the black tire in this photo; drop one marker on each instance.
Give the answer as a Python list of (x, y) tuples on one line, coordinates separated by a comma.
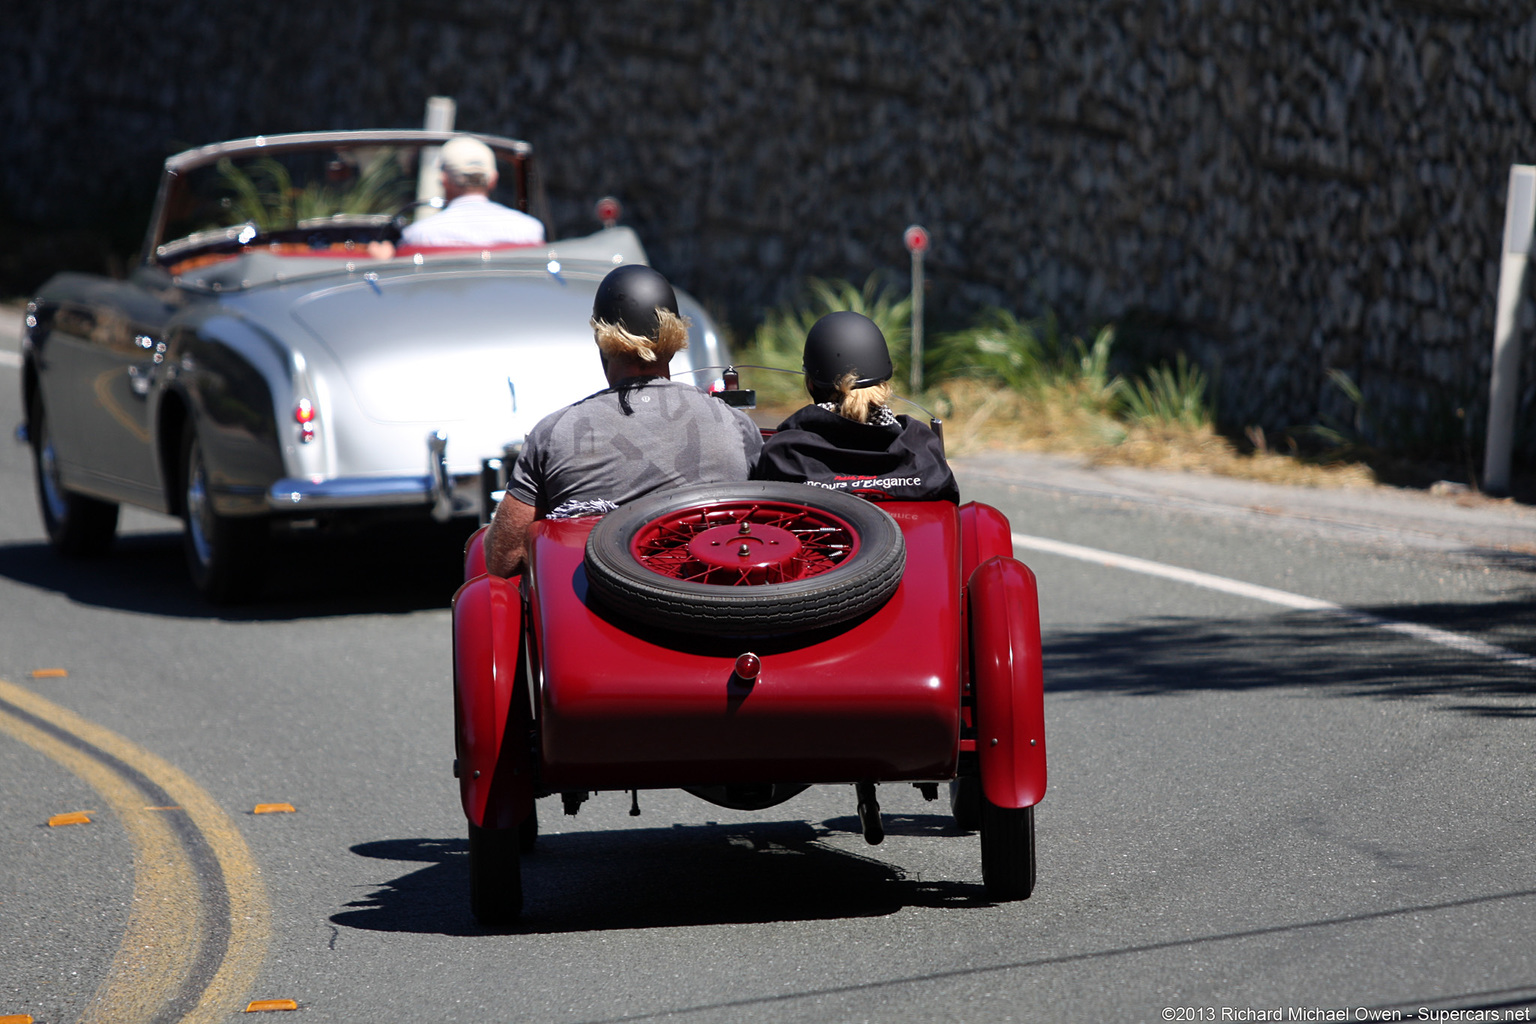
[(528, 832), (78, 527), (495, 875), (226, 556), (858, 584), (1007, 851), (965, 802)]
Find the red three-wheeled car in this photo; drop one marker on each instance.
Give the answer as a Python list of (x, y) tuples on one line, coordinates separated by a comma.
[(743, 641)]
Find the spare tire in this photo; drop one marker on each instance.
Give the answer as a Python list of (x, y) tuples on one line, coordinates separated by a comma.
[(750, 558)]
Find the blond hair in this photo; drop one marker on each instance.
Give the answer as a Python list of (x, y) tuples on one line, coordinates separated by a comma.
[(671, 338), (851, 403)]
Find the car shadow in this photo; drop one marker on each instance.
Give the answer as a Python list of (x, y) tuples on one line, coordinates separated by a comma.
[(903, 824), (1328, 654), (388, 569), (685, 875)]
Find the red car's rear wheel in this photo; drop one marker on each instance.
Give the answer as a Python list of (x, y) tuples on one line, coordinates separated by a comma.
[(495, 875), (745, 558), (1007, 851)]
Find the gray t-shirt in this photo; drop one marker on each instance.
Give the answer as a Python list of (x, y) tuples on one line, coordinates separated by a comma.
[(619, 444)]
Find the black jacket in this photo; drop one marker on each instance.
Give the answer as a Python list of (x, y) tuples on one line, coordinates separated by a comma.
[(904, 462)]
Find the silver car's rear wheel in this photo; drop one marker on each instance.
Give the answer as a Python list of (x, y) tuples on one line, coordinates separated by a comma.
[(76, 525), (200, 521), (225, 555)]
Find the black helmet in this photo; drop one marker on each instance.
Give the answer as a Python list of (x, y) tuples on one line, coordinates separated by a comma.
[(846, 342), (629, 298)]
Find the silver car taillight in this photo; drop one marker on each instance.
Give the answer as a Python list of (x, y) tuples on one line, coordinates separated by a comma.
[(304, 416)]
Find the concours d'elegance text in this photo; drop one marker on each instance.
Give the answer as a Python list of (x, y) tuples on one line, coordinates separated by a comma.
[(1346, 1013)]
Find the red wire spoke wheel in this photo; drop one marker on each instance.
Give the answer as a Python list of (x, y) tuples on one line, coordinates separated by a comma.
[(731, 559), (744, 542)]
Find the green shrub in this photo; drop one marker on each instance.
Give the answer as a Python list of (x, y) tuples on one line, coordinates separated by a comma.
[(1064, 379), (1000, 348), (1088, 375), (1030, 357), (780, 340), (1169, 397)]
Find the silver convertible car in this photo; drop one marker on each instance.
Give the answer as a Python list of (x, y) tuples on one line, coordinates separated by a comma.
[(277, 355)]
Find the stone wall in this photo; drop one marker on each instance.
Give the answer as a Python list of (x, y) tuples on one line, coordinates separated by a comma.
[(1281, 188)]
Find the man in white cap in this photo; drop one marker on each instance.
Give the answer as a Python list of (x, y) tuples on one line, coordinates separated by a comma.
[(471, 218)]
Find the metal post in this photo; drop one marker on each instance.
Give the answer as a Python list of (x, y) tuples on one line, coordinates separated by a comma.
[(1504, 381), (429, 185), (916, 241), (917, 321)]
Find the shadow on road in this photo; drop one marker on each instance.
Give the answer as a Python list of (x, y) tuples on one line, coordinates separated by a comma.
[(1322, 652), (382, 570), (1515, 561), (686, 875)]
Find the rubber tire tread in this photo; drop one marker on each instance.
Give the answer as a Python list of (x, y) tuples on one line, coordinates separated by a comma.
[(861, 584), (237, 569), (495, 875), (528, 832), (1007, 851), (88, 525)]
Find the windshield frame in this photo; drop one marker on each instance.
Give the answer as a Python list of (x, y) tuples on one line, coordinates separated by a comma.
[(528, 190)]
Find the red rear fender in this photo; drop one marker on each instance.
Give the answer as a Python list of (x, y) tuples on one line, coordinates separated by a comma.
[(491, 709), (474, 554), (1006, 676), (984, 534)]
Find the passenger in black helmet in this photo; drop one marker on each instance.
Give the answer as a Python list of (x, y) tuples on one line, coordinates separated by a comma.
[(849, 439), (645, 432)]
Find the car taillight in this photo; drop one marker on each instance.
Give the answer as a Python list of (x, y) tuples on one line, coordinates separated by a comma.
[(304, 416)]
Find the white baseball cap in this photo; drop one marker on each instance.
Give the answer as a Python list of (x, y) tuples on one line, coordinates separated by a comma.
[(463, 155)]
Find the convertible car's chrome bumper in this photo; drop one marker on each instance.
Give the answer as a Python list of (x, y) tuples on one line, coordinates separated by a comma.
[(356, 492), (445, 494)]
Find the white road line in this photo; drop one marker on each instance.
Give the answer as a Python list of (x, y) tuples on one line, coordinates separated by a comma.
[(1428, 634)]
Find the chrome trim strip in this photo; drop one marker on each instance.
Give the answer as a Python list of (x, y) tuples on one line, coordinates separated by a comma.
[(208, 154), (296, 494), (348, 492)]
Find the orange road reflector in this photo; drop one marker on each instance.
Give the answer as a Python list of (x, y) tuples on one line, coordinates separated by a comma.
[(274, 809), (16, 1018), (72, 818), (46, 673), (260, 1006)]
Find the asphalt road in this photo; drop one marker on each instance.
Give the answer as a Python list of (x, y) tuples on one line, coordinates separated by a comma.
[(1253, 806)]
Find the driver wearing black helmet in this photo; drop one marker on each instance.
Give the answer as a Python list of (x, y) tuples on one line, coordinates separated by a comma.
[(645, 432), (849, 439)]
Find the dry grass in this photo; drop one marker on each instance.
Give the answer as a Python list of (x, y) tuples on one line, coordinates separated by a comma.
[(980, 418), (1205, 451)]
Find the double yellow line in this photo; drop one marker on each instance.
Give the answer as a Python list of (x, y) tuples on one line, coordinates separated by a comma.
[(200, 924)]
